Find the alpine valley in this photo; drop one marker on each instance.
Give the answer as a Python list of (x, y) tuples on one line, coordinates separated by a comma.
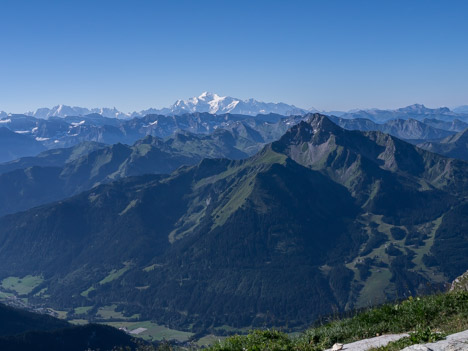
[(180, 218)]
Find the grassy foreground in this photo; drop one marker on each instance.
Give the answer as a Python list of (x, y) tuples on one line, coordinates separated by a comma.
[(427, 318)]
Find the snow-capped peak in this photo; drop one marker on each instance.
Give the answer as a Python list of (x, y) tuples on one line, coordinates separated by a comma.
[(64, 111), (206, 102), (207, 95), (216, 104)]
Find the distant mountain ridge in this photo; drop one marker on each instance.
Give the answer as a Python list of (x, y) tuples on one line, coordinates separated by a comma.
[(64, 111), (206, 102), (33, 135), (59, 132), (217, 104), (407, 129), (416, 111), (452, 146)]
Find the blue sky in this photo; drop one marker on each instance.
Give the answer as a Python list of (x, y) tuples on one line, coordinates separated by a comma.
[(327, 54)]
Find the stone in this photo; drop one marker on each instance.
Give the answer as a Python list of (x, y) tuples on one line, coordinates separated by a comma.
[(454, 342), (418, 348), (368, 344)]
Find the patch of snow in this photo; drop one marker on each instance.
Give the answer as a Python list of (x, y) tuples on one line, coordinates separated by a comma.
[(21, 131), (232, 105), (5, 120), (42, 139), (76, 124), (215, 102)]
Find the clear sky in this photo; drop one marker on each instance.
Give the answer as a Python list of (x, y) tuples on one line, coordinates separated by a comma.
[(328, 54)]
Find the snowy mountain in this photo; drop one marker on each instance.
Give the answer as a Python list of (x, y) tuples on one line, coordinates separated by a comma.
[(215, 104), (64, 111), (206, 102)]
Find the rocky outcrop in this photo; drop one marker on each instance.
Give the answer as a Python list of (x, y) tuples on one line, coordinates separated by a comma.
[(460, 283), (454, 342), (370, 343)]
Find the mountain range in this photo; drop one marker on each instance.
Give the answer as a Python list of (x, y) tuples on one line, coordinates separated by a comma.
[(417, 111), (322, 220), (35, 134), (206, 102), (60, 173), (406, 129), (216, 104)]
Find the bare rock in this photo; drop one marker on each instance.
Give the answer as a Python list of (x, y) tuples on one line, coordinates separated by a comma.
[(368, 344), (454, 342), (460, 283)]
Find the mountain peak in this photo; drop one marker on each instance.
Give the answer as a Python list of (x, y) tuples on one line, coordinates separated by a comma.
[(415, 107), (322, 123), (206, 95), (216, 104), (316, 130)]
